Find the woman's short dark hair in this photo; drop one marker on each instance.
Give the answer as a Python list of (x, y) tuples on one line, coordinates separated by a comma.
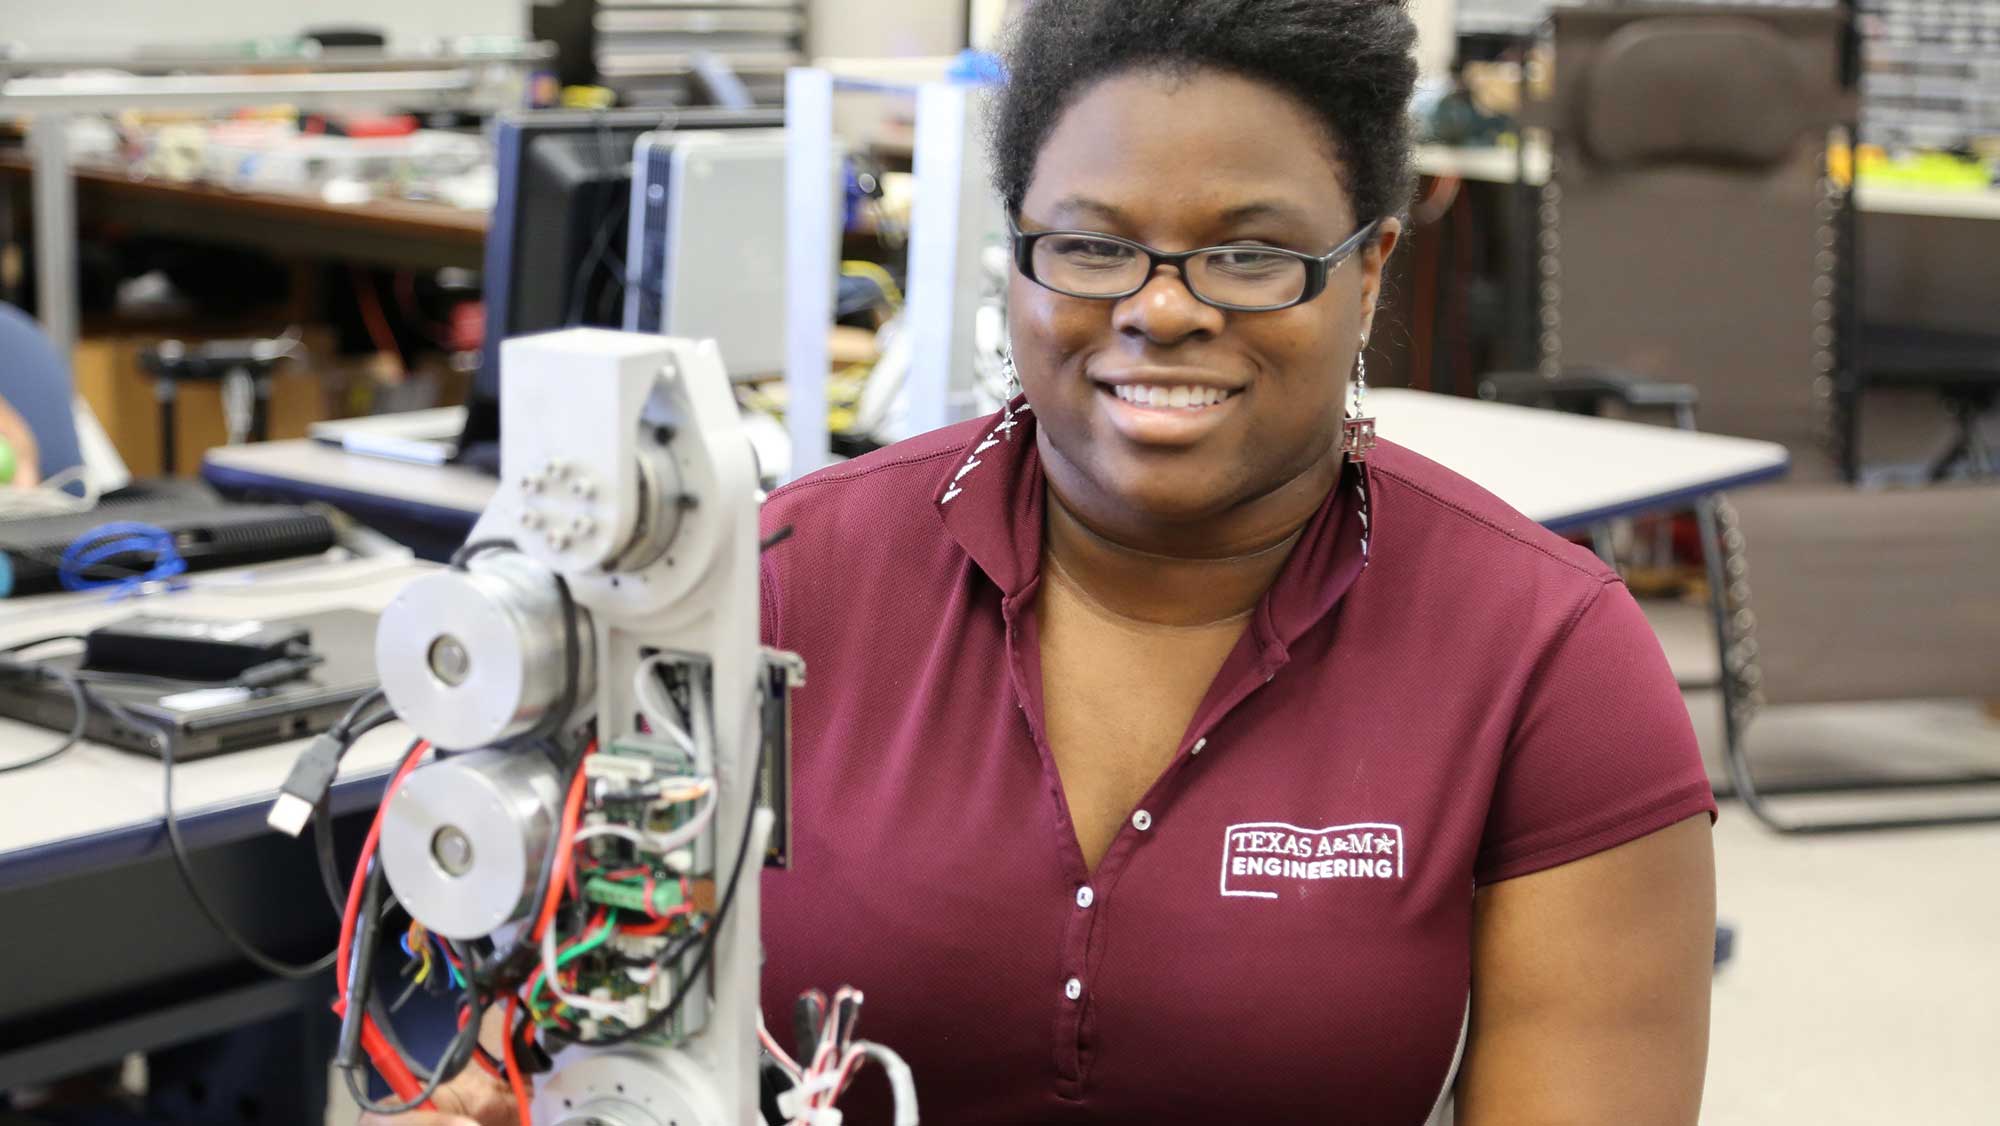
[(1349, 61)]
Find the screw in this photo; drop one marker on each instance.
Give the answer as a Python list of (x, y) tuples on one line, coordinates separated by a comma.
[(452, 849), (449, 661)]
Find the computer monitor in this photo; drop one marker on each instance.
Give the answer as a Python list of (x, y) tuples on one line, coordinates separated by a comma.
[(558, 233)]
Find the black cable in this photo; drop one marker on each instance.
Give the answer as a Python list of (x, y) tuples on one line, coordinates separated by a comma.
[(360, 966), (24, 646), (457, 1052), (466, 552), (587, 268), (349, 731), (572, 645), (78, 697), (164, 741), (572, 664)]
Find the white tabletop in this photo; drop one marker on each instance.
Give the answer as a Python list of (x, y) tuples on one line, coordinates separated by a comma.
[(326, 466), (93, 791), (1566, 470), (1496, 164)]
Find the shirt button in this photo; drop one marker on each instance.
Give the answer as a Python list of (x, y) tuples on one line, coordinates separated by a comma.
[(1142, 821), (1198, 745), (1073, 988), (1085, 897)]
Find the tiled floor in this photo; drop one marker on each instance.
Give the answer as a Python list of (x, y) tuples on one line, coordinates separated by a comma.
[(1866, 982)]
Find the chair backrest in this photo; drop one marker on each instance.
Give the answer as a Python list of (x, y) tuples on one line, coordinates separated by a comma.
[(35, 381), (1688, 230)]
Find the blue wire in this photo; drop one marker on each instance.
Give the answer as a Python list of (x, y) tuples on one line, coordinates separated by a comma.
[(110, 541), (446, 954)]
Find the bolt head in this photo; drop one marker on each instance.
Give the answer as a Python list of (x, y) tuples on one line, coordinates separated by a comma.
[(452, 850), (449, 661)]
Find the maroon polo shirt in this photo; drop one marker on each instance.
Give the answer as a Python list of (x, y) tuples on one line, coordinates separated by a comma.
[(1435, 694)]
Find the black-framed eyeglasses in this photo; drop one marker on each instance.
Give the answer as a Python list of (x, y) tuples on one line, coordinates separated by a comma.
[(1246, 278)]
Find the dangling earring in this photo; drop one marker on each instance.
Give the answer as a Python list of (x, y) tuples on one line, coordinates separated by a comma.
[(1008, 370), (1357, 433)]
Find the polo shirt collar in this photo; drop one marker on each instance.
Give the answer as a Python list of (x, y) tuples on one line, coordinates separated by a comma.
[(991, 502)]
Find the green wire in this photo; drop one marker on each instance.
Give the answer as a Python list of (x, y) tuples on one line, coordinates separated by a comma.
[(579, 950)]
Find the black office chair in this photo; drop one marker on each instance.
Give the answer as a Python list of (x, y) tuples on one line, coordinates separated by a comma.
[(244, 368)]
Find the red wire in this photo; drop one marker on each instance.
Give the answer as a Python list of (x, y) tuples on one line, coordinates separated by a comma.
[(565, 847), (660, 924), (514, 1080), (386, 1059)]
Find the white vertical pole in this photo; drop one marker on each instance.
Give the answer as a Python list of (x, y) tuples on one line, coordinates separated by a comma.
[(952, 215), (811, 236), (55, 231)]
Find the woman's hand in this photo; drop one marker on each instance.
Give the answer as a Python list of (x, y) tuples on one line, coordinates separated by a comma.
[(474, 1098)]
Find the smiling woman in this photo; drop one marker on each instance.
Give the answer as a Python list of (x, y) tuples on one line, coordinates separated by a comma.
[(1170, 756), (1081, 668)]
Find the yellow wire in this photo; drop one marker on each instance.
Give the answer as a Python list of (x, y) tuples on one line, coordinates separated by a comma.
[(873, 272), (420, 940)]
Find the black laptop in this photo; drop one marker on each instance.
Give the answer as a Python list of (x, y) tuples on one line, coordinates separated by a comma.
[(204, 718)]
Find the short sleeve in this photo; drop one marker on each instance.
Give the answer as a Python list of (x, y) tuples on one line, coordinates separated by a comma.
[(1602, 752)]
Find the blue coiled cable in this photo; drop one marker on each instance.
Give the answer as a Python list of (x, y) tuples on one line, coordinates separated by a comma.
[(106, 542)]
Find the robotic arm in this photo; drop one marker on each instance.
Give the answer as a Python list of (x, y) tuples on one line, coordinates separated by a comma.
[(610, 749)]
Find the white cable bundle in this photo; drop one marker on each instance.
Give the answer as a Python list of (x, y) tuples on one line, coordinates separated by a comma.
[(820, 1084)]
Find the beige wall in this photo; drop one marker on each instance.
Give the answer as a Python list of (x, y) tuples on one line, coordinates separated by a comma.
[(120, 25), (866, 28), (937, 27), (1437, 35)]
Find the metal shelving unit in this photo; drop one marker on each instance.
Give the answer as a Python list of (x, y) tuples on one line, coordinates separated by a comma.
[(1930, 71), (646, 49)]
